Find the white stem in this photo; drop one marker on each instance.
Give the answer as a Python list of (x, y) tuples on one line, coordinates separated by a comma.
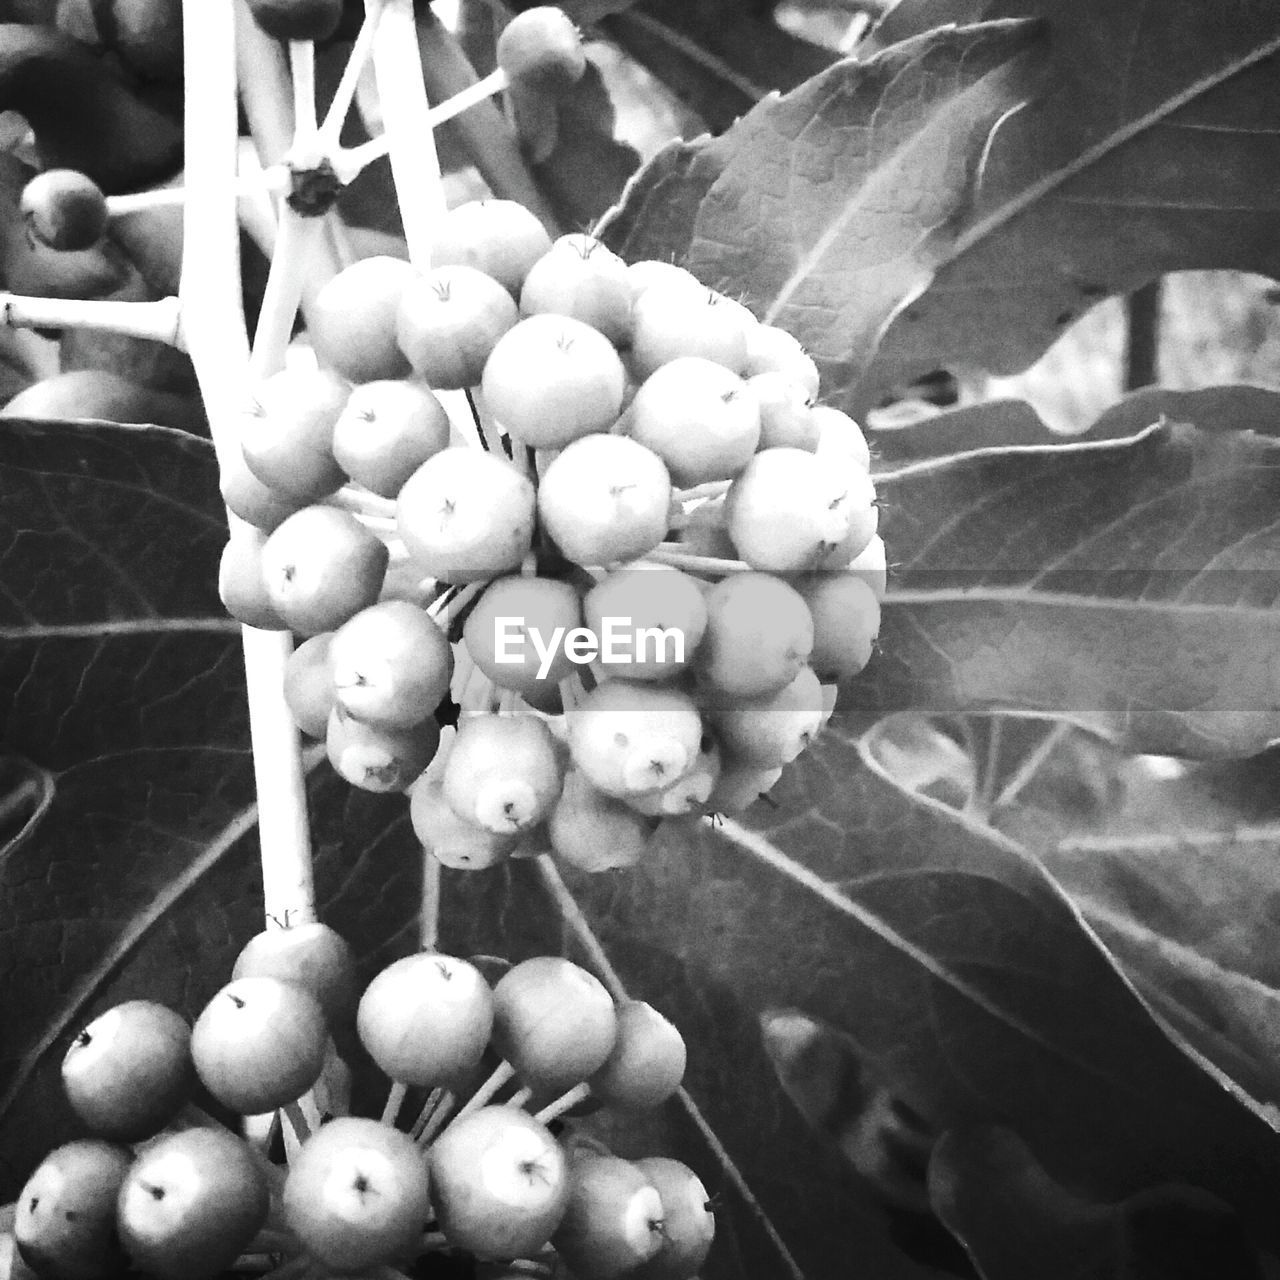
[(295, 242), (520, 1097), (566, 1102), (429, 914), (711, 489), (302, 66), (274, 180), (343, 96), (354, 159), (159, 321), (395, 1100), (669, 554), (486, 1091), (439, 1099)]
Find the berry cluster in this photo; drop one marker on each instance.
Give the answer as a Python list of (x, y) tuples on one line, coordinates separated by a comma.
[(166, 1190), (650, 459)]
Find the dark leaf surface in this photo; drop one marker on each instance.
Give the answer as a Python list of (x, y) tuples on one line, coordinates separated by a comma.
[(959, 971), (1129, 586)]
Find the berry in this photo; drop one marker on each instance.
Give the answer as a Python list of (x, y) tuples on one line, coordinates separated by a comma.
[(129, 1072), (871, 565), (352, 321), (672, 321), (449, 321), (790, 511), (787, 417), (387, 431), (579, 277), (499, 1183), (377, 759), (64, 1221), (65, 210), (543, 48), (774, 730), (259, 1044), (759, 635), (688, 793), (466, 515), (774, 350), (453, 841), (613, 1220), (656, 605), (846, 621), (311, 956), (356, 1194), (593, 831), (629, 738), (700, 418), (553, 1022), (297, 19), (688, 1223), (647, 1062), (552, 379), (499, 237), (840, 438), (503, 772), (287, 432), (426, 1019), (191, 1204), (605, 499), (651, 272), (308, 685), (256, 503), (739, 786), (528, 606), (322, 566), (391, 665), (241, 586)]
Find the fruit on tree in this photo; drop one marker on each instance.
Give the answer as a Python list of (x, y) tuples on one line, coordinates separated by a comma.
[(391, 665), (308, 685), (672, 321), (525, 606), (379, 759), (689, 792), (64, 209), (297, 19), (770, 349), (242, 588), (553, 1022), (499, 237), (605, 499), (700, 418), (191, 1203), (387, 430), (552, 379), (310, 955), (613, 1220), (352, 320), (129, 1072), (499, 1183), (839, 437), (542, 47), (448, 322), (466, 515), (504, 772), (356, 1194), (787, 415), (426, 1019), (580, 277), (593, 831), (846, 621), (287, 431), (450, 839), (321, 566), (759, 634), (629, 737), (773, 730), (658, 605), (647, 1061), (64, 1221), (688, 1220), (259, 1044)]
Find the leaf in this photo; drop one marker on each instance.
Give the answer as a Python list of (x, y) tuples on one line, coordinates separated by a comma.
[(1017, 1221), (1148, 151), (958, 969), (719, 57), (837, 199), (1003, 424), (1128, 586)]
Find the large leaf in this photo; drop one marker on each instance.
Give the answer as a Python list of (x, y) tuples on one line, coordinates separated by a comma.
[(129, 858), (1152, 148), (1129, 586), (959, 970), (840, 198)]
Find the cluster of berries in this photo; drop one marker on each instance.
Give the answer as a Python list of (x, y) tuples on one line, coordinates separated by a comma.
[(164, 1189), (650, 460)]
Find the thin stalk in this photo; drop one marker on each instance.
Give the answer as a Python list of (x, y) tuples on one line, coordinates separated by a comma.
[(344, 95), (159, 321)]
